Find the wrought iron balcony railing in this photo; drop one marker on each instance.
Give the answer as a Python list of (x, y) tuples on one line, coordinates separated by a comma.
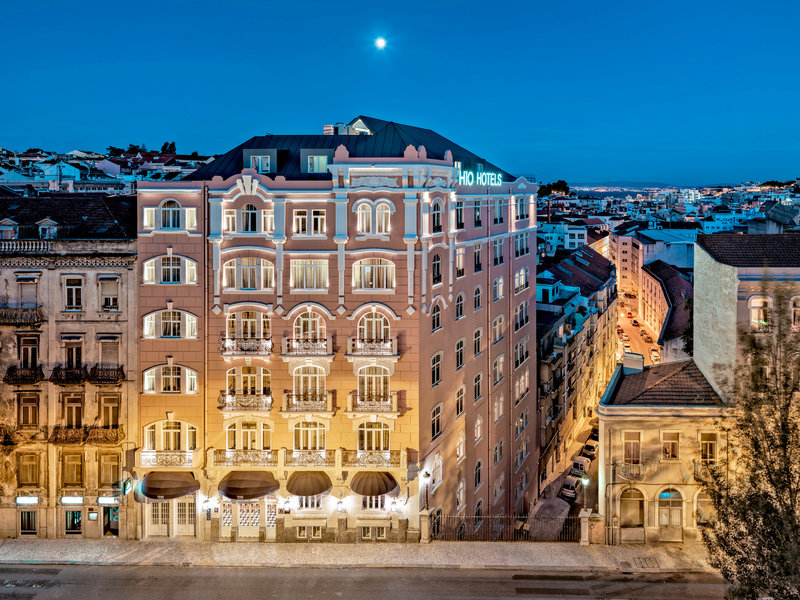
[(372, 403), (245, 401), (104, 375), (17, 375), (307, 346), (372, 347), (239, 458), (310, 458), (367, 458), (307, 402), (165, 458), (245, 346), (631, 471), (68, 375)]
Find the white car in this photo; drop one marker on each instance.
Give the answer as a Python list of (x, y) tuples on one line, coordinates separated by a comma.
[(654, 354), (570, 488), (626, 347)]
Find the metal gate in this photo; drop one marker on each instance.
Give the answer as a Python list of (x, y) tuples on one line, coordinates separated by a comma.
[(505, 528)]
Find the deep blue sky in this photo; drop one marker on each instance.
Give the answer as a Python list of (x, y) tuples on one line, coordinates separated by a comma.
[(684, 92)]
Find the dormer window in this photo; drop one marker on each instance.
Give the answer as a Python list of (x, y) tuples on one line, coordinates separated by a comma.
[(260, 163), (317, 163), (47, 229)]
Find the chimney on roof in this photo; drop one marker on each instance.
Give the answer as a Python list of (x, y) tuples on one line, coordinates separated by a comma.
[(328, 130), (632, 363), (337, 129)]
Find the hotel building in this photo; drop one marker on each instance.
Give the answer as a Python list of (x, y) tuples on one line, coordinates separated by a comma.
[(336, 335)]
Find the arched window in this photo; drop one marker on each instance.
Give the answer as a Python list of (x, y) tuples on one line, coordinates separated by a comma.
[(170, 215), (437, 474), (249, 380), (169, 379), (383, 215), (309, 325), (169, 270), (436, 369), (309, 435), (478, 474), (479, 510), (497, 369), (477, 387), (249, 218), (478, 428), (373, 437), (373, 274), (253, 274), (373, 383), (459, 354), (436, 317), (248, 435), (436, 217), (497, 289), (459, 306), (477, 301), (436, 269), (436, 523), (364, 215), (309, 382), (374, 327), (477, 342), (170, 323), (670, 508), (229, 275), (461, 494), (175, 436), (436, 421), (247, 325), (460, 392)]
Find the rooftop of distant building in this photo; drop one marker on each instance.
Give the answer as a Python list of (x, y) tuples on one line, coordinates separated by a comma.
[(753, 250)]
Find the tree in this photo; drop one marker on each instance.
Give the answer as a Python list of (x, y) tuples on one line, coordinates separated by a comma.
[(687, 337), (754, 536), (135, 149), (560, 187), (168, 148), (114, 151)]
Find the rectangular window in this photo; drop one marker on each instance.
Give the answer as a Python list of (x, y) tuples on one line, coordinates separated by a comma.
[(478, 264), (260, 163), (520, 316), (521, 247), (669, 445), (73, 525), (632, 447), (28, 473), (171, 379), (149, 218), (373, 502), (476, 214), (759, 319), (73, 469), (460, 252), (268, 220), (309, 275), (708, 448), (170, 269), (74, 294), (73, 353), (317, 163), (521, 280), (310, 502), (459, 214), (318, 222), (28, 412), (73, 411), (229, 217), (27, 522), (497, 252), (109, 294), (300, 222), (523, 208), (498, 212), (28, 352), (109, 354), (190, 216), (109, 469), (109, 411)]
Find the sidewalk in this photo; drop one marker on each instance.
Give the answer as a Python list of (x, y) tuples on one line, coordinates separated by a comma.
[(549, 503), (459, 555)]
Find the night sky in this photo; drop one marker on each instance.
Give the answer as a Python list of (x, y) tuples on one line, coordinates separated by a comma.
[(680, 92)]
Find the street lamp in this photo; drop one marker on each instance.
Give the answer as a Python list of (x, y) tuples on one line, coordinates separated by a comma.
[(425, 477)]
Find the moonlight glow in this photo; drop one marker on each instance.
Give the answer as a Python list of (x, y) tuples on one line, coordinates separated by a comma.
[(380, 43)]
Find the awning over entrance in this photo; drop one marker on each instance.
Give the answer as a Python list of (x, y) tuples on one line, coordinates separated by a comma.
[(248, 485), (309, 483), (166, 485), (373, 483)]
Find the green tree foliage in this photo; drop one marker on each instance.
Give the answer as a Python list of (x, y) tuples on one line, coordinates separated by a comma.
[(559, 187), (754, 536), (168, 148)]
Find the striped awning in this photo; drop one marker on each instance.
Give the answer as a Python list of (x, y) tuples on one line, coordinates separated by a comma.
[(373, 483), (248, 485)]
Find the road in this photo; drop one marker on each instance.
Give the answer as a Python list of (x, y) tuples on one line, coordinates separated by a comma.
[(638, 345), (24, 582)]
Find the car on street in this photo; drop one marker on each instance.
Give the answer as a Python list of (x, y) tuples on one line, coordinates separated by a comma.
[(648, 339), (635, 323), (655, 355), (570, 488), (580, 466), (630, 315), (642, 332), (625, 337), (626, 347), (590, 449), (619, 329), (595, 434)]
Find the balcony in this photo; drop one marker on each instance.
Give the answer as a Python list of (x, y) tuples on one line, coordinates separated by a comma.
[(105, 435), (68, 435), (310, 458), (246, 458), (23, 375), (371, 347), (376, 459), (101, 375), (630, 471), (20, 317), (703, 470), (239, 401), (245, 346), (372, 403), (307, 403), (307, 347), (165, 458), (68, 375)]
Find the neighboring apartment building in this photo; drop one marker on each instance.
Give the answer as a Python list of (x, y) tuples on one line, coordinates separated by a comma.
[(68, 397), (659, 429), (336, 339), (663, 292), (576, 334), (731, 271)]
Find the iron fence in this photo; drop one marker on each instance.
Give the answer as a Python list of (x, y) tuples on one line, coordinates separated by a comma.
[(505, 528)]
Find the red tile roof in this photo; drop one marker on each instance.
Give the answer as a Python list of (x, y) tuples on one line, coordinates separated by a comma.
[(678, 383)]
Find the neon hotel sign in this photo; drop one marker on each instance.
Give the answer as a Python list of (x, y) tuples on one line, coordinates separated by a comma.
[(478, 178)]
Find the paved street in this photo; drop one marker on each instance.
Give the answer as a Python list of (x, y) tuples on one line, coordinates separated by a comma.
[(638, 345), (22, 582)]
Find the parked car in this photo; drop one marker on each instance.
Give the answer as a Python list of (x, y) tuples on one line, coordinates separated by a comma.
[(654, 354), (630, 315), (595, 435), (625, 337), (635, 323), (642, 332), (570, 488), (619, 330), (580, 466), (626, 347), (648, 339), (590, 449)]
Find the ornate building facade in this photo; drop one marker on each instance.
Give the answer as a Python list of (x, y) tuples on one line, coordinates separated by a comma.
[(335, 334)]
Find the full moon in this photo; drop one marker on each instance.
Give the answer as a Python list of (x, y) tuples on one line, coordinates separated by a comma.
[(380, 43)]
